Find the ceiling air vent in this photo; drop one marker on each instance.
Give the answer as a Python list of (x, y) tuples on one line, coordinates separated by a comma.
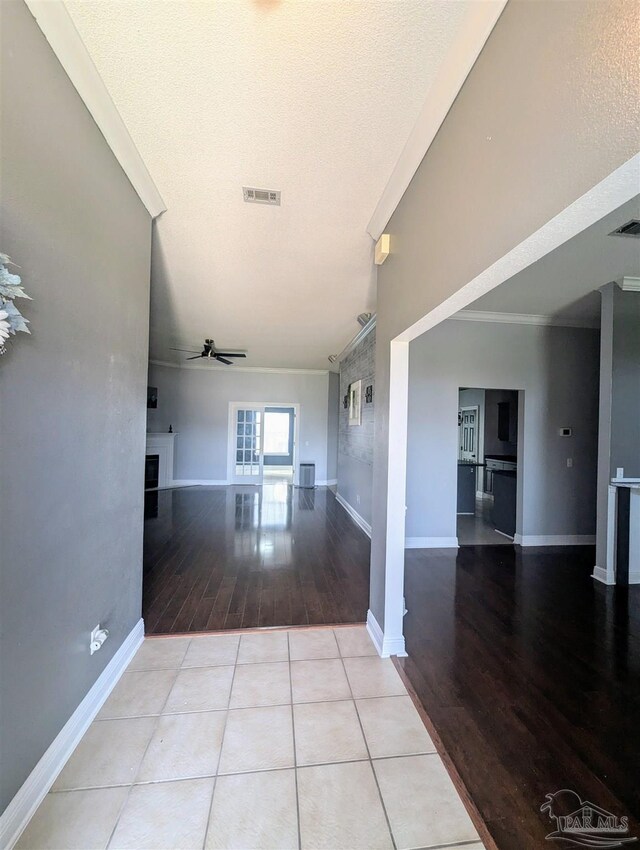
[(631, 228), (261, 196)]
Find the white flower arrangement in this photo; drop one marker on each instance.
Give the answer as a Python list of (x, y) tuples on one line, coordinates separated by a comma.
[(11, 319)]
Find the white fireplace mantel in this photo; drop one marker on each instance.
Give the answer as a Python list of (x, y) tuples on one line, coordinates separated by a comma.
[(161, 444)]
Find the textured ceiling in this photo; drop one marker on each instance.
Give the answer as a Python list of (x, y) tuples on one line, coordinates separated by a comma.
[(315, 98), (564, 283)]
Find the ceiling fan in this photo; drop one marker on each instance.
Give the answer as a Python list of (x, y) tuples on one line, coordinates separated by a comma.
[(212, 353)]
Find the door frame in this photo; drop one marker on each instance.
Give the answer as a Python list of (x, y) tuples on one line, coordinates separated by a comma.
[(231, 436)]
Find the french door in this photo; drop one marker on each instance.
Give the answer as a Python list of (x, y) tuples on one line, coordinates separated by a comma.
[(246, 444)]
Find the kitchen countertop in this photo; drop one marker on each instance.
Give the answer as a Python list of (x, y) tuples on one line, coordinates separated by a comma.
[(508, 458), (470, 463)]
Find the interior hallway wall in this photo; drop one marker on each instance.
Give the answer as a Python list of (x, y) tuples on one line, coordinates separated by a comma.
[(355, 442), (333, 422), (558, 370), (73, 400), (619, 438), (549, 110), (195, 402)]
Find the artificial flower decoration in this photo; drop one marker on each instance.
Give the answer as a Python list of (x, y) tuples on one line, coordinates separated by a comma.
[(11, 319)]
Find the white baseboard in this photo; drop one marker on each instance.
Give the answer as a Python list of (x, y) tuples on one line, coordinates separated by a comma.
[(386, 646), (600, 574), (197, 482), (554, 539), (431, 543), (21, 809), (355, 516)]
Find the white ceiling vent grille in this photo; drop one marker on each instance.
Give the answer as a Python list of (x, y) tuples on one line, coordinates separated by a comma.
[(631, 228), (261, 196)]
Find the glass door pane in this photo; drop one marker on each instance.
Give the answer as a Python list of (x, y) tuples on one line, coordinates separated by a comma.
[(248, 445)]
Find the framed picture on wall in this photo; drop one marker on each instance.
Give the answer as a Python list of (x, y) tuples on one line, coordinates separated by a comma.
[(355, 402)]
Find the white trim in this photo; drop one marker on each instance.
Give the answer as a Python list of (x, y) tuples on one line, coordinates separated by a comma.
[(460, 58), (431, 543), (616, 189), (523, 319), (397, 488), (196, 482), (630, 284), (386, 646), (328, 483), (357, 339), (207, 366), (23, 806), (554, 539), (58, 28), (600, 574), (355, 516)]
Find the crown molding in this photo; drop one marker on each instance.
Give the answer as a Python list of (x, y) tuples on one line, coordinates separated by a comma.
[(522, 319), (472, 36), (59, 30), (357, 339), (630, 284), (225, 369)]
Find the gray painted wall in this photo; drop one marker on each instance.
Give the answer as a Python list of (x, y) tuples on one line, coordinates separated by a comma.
[(558, 370), (510, 135), (196, 403), (355, 442), (619, 436), (72, 416), (625, 401), (333, 414)]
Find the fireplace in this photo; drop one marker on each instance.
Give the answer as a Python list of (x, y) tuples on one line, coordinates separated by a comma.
[(160, 450), (151, 471)]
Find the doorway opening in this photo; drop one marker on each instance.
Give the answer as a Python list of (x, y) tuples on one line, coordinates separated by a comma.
[(487, 484), (262, 443)]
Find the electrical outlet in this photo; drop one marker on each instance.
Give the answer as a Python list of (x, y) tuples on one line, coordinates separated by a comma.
[(98, 637), (569, 462), (357, 498)]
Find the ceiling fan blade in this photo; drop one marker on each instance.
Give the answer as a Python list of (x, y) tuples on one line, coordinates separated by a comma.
[(186, 350), (230, 354), (223, 360), (197, 357)]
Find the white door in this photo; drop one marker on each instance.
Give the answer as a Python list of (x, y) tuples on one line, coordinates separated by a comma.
[(246, 444), (468, 433)]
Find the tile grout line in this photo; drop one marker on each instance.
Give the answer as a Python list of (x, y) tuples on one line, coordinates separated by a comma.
[(370, 760), (246, 772), (155, 729), (224, 729), (295, 752)]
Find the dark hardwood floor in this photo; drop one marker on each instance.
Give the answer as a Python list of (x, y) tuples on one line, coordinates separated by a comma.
[(530, 674), (243, 557)]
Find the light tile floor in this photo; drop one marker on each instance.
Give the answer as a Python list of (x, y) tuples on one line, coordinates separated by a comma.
[(282, 739)]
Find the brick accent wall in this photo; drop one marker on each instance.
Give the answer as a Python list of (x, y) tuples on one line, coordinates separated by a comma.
[(357, 440)]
